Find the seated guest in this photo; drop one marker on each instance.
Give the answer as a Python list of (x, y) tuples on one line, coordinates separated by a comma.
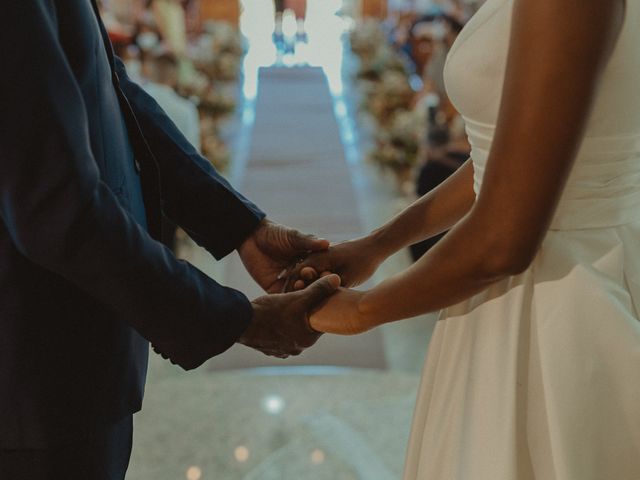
[(161, 84)]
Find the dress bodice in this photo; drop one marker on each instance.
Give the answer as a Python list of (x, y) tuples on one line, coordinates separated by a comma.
[(603, 188)]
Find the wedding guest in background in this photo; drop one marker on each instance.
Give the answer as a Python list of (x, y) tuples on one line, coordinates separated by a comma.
[(161, 83), (146, 35), (448, 30), (278, 34), (400, 32), (169, 17), (132, 59), (422, 40), (299, 8)]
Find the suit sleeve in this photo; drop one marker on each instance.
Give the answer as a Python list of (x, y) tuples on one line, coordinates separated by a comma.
[(194, 195), (61, 216)]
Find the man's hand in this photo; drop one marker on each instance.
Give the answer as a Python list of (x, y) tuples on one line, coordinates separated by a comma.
[(272, 249), (354, 261), (280, 324)]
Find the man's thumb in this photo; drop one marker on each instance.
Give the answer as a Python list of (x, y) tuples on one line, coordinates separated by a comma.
[(320, 290)]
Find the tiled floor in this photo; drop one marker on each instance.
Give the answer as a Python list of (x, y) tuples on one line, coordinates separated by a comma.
[(291, 422), (311, 424)]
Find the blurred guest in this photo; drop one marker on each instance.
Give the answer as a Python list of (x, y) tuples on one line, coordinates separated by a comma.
[(161, 84), (448, 30), (299, 8), (278, 35), (401, 31), (170, 22), (130, 55), (170, 17), (146, 34), (423, 40)]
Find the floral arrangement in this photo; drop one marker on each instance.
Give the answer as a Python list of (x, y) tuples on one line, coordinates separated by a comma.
[(217, 103), (217, 57), (214, 105), (369, 42), (387, 96), (225, 38), (217, 152), (213, 147), (398, 145), (384, 60), (219, 51), (384, 98), (367, 38)]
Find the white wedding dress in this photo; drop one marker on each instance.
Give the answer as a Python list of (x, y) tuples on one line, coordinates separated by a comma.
[(538, 377)]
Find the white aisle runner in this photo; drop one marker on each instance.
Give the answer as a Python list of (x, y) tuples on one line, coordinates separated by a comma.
[(297, 173)]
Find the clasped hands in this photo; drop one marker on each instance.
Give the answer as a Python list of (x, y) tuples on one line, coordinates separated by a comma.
[(302, 275)]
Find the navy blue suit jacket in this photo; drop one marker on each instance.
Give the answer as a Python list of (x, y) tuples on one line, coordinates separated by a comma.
[(83, 284)]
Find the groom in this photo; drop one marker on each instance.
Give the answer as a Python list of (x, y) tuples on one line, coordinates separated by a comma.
[(88, 165)]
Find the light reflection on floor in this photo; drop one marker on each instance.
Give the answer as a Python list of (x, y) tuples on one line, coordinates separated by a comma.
[(243, 426)]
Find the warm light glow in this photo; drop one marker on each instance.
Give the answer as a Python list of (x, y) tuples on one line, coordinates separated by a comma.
[(241, 453), (325, 48), (194, 473), (273, 404), (317, 456)]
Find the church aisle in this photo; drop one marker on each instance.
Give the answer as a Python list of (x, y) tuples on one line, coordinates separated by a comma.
[(297, 173)]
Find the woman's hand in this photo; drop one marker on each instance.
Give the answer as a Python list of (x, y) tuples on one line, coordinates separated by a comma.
[(341, 315), (355, 261)]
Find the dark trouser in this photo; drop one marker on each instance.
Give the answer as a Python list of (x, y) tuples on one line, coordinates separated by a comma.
[(431, 175), (102, 455)]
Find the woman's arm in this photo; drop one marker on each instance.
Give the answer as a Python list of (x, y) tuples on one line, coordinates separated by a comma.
[(553, 68), (434, 213), (356, 260)]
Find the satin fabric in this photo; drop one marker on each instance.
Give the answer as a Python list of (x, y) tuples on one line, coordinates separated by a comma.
[(538, 377)]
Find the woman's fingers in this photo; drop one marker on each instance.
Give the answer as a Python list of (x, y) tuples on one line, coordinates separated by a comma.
[(316, 323), (308, 274)]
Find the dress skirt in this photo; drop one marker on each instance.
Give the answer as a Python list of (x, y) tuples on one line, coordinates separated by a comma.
[(538, 377)]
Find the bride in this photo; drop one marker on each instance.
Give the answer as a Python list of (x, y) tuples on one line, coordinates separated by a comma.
[(533, 371)]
